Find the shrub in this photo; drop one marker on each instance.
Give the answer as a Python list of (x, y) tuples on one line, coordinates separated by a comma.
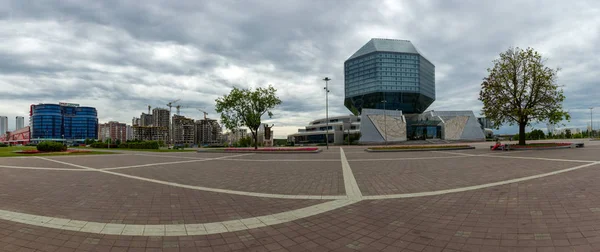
[(51, 146), (3, 145)]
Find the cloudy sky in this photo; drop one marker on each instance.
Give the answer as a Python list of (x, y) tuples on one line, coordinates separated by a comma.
[(121, 56)]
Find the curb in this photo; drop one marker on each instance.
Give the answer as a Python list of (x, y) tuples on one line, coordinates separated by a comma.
[(572, 146), (428, 149)]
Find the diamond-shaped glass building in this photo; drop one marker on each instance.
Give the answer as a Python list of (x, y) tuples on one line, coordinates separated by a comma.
[(389, 74)]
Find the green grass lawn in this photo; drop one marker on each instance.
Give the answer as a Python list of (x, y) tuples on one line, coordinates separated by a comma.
[(9, 152), (119, 149)]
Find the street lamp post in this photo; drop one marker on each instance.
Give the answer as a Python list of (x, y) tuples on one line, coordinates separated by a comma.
[(384, 123), (591, 123), (326, 79)]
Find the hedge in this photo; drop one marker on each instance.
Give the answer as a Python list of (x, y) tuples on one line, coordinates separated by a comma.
[(51, 146), (3, 145), (141, 145), (102, 145), (131, 145)]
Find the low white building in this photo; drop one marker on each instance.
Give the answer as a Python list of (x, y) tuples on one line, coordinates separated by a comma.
[(339, 128)]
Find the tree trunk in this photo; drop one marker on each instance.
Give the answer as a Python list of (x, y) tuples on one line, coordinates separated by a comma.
[(522, 133), (255, 135)]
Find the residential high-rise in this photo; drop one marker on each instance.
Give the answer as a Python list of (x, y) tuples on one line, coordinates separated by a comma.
[(160, 117), (19, 122), (389, 74), (183, 130), (135, 121), (113, 131), (3, 125), (129, 132), (63, 122), (146, 120), (208, 131)]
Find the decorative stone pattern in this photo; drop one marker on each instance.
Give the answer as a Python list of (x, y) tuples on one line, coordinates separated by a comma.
[(453, 128), (392, 127)]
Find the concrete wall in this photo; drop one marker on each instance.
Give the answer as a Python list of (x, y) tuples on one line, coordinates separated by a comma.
[(373, 126), (460, 125)]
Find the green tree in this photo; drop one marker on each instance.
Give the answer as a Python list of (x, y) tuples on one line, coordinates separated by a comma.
[(520, 90), (244, 107), (536, 134), (568, 133)]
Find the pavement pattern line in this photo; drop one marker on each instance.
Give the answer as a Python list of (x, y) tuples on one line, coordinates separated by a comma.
[(167, 156), (519, 157), (173, 229), (41, 168), (399, 159), (350, 184), (282, 160), (475, 187), (208, 189), (174, 162)]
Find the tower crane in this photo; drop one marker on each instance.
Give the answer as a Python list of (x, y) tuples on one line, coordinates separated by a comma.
[(171, 103), (205, 114)]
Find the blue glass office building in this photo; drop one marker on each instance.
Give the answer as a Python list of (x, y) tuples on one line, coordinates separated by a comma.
[(389, 70), (63, 122)]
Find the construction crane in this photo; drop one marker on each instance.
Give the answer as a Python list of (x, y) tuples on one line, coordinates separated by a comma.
[(171, 103), (205, 114)]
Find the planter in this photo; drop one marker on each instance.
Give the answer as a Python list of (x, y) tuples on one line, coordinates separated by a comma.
[(264, 150), (541, 146)]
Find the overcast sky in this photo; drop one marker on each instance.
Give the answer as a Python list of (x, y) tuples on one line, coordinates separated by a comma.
[(120, 56)]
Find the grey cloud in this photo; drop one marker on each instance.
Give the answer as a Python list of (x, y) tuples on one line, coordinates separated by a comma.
[(107, 49)]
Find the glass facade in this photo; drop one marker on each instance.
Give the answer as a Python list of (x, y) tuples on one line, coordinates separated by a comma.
[(399, 75), (52, 121)]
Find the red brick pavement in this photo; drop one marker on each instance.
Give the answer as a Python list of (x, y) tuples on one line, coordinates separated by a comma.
[(554, 213), (93, 196), (409, 176), (295, 178)]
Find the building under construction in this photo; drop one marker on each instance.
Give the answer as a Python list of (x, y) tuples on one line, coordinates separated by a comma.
[(208, 132), (148, 133), (184, 130)]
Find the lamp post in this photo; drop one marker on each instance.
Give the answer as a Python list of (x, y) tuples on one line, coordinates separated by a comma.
[(384, 122), (326, 79), (591, 123)]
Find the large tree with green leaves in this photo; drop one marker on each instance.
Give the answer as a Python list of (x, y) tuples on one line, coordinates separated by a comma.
[(520, 89), (244, 107)]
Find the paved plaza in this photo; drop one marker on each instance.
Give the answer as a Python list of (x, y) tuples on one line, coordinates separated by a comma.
[(342, 199)]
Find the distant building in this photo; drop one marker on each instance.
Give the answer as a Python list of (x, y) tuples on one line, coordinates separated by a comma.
[(66, 122), (135, 121), (184, 130), (3, 125), (484, 122), (21, 136), (234, 136), (112, 130), (146, 120), (129, 133), (19, 122), (339, 128), (208, 131)]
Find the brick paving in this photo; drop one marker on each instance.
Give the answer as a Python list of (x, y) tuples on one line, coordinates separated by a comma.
[(294, 178), (92, 196), (32, 162), (106, 161), (410, 176), (554, 213)]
